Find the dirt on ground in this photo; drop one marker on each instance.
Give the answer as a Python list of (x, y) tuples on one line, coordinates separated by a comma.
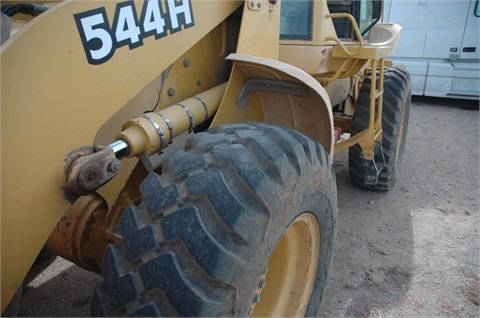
[(412, 251)]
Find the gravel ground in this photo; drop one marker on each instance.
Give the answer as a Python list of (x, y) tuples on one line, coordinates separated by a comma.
[(413, 251)]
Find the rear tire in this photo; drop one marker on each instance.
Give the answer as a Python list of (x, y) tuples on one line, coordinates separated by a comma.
[(241, 205), (396, 109)]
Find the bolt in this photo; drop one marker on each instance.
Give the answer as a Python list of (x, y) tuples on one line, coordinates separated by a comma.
[(261, 284), (186, 63), (256, 298), (259, 5), (171, 92), (199, 82), (249, 312), (252, 4), (114, 166)]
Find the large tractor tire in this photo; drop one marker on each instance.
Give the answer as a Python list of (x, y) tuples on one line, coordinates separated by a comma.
[(239, 223), (396, 110)]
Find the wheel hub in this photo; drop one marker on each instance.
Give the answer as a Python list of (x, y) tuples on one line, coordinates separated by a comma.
[(287, 283)]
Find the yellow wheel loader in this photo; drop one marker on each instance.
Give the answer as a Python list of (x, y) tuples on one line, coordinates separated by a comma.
[(183, 149)]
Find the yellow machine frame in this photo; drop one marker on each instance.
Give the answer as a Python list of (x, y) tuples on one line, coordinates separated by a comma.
[(53, 102)]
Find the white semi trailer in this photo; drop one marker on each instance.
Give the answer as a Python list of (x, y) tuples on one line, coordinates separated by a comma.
[(439, 45)]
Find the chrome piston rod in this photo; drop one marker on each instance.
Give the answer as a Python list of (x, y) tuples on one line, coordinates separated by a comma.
[(119, 147)]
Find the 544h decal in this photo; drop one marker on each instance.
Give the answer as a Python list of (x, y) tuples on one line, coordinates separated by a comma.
[(100, 38)]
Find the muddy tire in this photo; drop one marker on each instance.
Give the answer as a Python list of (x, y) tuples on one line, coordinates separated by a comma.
[(396, 110), (232, 214)]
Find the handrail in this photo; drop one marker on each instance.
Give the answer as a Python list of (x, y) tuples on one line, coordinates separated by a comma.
[(355, 29)]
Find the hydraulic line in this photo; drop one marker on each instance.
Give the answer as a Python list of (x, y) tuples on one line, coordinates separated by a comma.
[(26, 8), (151, 132)]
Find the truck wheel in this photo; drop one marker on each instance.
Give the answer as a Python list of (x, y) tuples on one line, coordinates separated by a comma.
[(239, 223), (396, 110)]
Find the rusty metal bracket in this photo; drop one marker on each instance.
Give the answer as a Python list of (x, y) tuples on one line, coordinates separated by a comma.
[(87, 169), (80, 234)]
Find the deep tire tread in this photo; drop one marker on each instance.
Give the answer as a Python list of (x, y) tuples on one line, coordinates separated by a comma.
[(159, 260)]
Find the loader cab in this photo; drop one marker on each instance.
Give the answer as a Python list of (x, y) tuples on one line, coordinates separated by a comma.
[(311, 30), (297, 17), (333, 40)]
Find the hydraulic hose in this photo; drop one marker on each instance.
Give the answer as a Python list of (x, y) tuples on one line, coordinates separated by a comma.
[(26, 8)]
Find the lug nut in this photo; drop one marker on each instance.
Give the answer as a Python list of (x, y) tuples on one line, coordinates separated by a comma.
[(261, 284)]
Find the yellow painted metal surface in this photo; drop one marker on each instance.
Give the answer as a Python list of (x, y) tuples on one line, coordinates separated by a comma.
[(308, 113), (54, 101), (291, 271), (259, 31), (142, 132), (366, 139), (201, 67)]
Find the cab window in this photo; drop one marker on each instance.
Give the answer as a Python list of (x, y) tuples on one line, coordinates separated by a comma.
[(365, 12), (296, 20)]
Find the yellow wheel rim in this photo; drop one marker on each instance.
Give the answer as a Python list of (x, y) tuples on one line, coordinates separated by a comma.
[(286, 286)]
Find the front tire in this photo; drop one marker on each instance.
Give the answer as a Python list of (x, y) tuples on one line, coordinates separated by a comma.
[(239, 223)]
